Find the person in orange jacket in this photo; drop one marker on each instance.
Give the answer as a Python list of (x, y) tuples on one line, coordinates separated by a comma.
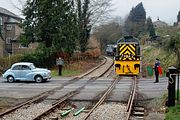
[(156, 65)]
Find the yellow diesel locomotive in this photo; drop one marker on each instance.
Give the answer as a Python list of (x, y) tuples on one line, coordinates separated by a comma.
[(127, 58)]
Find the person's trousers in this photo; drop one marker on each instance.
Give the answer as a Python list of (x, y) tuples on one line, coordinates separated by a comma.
[(157, 76)]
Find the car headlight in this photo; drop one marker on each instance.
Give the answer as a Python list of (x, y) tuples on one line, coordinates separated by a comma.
[(45, 74)]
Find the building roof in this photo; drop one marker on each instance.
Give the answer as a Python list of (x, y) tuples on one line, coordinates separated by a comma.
[(8, 13), (160, 23)]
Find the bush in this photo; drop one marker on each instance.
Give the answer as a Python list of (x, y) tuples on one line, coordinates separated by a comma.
[(150, 53), (39, 59), (30, 58), (6, 62)]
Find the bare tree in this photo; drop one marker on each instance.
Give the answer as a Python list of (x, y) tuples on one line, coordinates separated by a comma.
[(108, 33), (99, 10), (19, 5)]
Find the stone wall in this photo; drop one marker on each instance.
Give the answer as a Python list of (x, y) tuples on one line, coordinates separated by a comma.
[(18, 49)]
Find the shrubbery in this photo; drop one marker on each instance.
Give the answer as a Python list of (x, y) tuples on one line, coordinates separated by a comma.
[(6, 62), (150, 53), (39, 59)]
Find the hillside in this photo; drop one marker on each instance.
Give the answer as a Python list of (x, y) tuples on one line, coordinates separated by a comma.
[(150, 53)]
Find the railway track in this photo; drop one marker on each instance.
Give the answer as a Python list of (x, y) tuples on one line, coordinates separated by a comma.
[(130, 109), (106, 94), (101, 100), (44, 95), (131, 98), (133, 111)]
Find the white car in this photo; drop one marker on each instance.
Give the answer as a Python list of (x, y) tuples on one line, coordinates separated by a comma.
[(25, 71)]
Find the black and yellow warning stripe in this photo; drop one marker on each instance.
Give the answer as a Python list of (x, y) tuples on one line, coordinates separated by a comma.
[(127, 51)]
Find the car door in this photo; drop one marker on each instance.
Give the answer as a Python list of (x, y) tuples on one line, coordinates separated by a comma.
[(16, 70), (25, 73)]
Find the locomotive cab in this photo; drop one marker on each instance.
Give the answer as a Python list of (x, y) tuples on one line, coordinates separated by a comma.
[(127, 59)]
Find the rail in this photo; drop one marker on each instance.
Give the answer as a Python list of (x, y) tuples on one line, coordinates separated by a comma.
[(46, 93), (109, 90), (131, 98), (67, 96)]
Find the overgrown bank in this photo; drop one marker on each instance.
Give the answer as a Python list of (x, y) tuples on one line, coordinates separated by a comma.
[(150, 53)]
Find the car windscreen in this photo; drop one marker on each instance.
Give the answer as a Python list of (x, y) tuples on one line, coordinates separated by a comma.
[(32, 66)]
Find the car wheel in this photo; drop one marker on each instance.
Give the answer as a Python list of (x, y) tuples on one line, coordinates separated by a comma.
[(10, 79), (38, 79)]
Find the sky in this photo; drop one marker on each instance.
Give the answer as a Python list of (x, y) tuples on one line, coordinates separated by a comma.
[(166, 10)]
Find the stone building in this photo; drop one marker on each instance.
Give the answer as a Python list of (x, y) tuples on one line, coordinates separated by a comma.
[(10, 34), (159, 23)]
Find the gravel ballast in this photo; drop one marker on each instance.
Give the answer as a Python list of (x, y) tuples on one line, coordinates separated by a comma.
[(27, 113), (110, 111)]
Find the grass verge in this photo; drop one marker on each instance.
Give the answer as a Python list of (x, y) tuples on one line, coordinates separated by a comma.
[(174, 112), (65, 72), (75, 68)]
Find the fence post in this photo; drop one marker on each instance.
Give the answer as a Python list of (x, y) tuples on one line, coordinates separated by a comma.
[(171, 86)]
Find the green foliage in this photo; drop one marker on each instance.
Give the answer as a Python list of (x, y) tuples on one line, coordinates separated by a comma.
[(52, 23), (135, 23), (62, 25), (150, 27), (172, 44), (40, 59), (89, 12), (23, 40), (173, 113), (65, 72), (163, 32), (6, 62), (178, 17), (31, 58), (84, 23), (150, 53)]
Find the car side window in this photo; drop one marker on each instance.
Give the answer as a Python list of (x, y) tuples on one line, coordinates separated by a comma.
[(17, 67), (24, 67)]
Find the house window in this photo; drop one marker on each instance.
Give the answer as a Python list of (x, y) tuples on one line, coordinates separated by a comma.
[(8, 40), (1, 22), (9, 27)]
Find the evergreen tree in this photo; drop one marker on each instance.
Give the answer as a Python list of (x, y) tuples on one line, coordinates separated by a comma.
[(52, 22), (135, 23), (150, 27), (178, 17), (84, 23), (89, 12)]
